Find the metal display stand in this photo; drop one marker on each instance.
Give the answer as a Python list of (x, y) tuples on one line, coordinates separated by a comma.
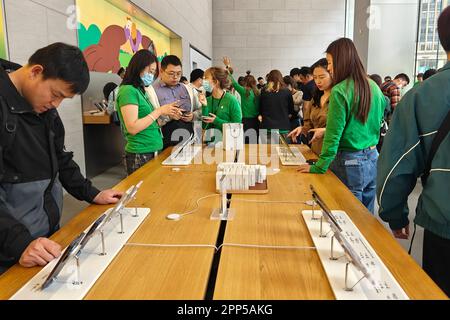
[(94, 249), (347, 247)]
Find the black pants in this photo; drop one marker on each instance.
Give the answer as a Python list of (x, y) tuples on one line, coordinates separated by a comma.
[(436, 260), (171, 127), (134, 161), (251, 123)]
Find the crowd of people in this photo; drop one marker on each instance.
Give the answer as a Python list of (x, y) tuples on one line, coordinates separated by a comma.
[(346, 116)]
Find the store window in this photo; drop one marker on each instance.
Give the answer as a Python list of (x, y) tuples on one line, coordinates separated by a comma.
[(430, 54)]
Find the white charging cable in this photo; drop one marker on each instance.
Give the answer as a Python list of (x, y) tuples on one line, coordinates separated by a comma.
[(178, 216)]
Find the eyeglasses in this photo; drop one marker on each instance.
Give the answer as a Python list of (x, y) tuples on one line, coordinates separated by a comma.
[(174, 74)]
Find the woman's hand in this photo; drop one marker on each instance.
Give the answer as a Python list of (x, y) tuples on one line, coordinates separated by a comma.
[(295, 133), (318, 134), (304, 168), (227, 61), (172, 110), (210, 119), (202, 99)]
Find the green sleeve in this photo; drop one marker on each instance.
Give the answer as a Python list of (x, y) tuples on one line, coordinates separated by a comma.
[(336, 121), (240, 89), (400, 163), (236, 111), (127, 95), (205, 109), (218, 123)]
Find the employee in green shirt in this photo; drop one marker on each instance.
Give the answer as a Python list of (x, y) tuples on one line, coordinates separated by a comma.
[(249, 103), (222, 106), (353, 126), (136, 113)]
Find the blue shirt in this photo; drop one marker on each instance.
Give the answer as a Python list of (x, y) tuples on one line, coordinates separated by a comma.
[(168, 95)]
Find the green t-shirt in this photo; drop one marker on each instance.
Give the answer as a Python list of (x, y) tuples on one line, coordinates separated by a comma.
[(149, 139), (250, 103), (226, 109), (344, 131)]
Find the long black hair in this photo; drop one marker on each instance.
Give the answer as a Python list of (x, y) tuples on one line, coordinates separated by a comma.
[(141, 60), (347, 65), (317, 94)]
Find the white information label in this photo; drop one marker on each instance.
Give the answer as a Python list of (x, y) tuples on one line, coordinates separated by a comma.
[(380, 285)]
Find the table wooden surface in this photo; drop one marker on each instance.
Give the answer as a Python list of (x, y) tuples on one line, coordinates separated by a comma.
[(97, 118), (142, 272), (254, 273)]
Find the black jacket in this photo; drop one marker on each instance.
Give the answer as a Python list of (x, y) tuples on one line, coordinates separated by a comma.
[(8, 65), (34, 166), (275, 109)]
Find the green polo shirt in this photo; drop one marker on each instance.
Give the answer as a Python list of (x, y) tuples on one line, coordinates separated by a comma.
[(249, 102), (344, 131), (149, 139), (227, 110)]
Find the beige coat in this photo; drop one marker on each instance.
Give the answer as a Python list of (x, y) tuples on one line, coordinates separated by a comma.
[(315, 117)]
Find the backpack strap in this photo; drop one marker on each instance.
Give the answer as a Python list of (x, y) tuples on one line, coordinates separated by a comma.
[(439, 138)]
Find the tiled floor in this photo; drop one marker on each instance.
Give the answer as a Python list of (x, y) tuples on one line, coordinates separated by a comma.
[(416, 251), (107, 180), (113, 176)]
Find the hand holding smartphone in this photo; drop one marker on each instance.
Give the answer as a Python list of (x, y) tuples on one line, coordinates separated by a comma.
[(209, 119)]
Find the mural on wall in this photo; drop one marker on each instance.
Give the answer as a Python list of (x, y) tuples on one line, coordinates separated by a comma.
[(109, 37), (3, 53)]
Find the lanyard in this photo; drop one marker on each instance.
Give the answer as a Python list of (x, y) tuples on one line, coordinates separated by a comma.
[(218, 105)]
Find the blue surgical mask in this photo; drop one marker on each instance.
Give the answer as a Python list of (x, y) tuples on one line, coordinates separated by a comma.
[(148, 79), (207, 86)]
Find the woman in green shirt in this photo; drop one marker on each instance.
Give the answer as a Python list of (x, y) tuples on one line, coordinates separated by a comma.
[(249, 103), (222, 106), (355, 114), (136, 113)]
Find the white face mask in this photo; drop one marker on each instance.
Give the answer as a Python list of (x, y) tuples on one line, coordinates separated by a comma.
[(207, 85)]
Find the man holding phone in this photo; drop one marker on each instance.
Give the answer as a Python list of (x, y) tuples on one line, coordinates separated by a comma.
[(168, 89)]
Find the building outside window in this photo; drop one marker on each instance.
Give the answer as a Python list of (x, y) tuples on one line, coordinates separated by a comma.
[(430, 54)]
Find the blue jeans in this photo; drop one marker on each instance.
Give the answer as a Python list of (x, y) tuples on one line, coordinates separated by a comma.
[(358, 171)]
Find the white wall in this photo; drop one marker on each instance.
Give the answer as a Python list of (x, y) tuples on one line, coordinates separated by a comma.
[(199, 59), (32, 25), (261, 35), (392, 46), (361, 29)]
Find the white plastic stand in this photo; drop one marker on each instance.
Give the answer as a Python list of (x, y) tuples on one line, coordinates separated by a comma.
[(184, 158), (233, 136), (223, 213), (79, 275), (346, 281)]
